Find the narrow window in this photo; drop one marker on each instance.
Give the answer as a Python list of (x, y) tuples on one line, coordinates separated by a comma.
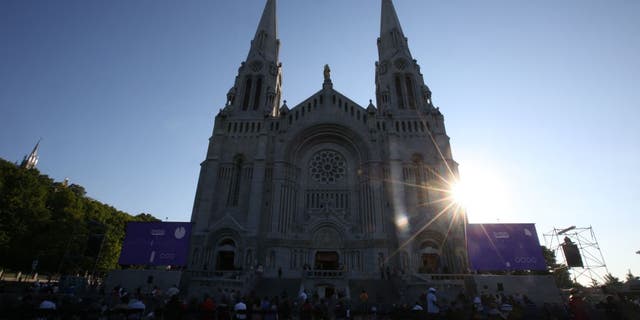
[(234, 193), (247, 93), (256, 97), (399, 92), (411, 97)]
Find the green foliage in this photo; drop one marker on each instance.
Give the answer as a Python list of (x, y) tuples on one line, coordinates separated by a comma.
[(560, 272), (611, 281), (630, 276), (51, 222)]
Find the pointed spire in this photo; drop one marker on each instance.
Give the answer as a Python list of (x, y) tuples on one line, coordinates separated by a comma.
[(389, 19), (265, 42), (30, 161), (392, 39)]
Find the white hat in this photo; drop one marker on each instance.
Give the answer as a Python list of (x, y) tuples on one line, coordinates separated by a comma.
[(432, 289)]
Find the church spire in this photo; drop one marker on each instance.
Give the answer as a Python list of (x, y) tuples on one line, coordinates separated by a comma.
[(257, 89), (30, 161), (392, 39), (400, 87), (265, 42)]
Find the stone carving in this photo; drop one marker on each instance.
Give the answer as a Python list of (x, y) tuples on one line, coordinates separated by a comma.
[(327, 167), (327, 73), (400, 63), (256, 66), (327, 238), (231, 95), (382, 67)]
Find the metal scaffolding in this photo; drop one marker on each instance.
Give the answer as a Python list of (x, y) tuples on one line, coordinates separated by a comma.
[(593, 267)]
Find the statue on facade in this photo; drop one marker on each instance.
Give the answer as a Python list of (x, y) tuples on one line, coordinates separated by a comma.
[(327, 73)]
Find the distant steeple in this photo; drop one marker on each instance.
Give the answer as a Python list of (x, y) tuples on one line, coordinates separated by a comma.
[(257, 88), (400, 87), (265, 42), (392, 40), (30, 161)]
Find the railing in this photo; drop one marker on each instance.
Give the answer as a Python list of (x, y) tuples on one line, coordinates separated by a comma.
[(442, 278), (319, 273), (227, 279), (216, 274)]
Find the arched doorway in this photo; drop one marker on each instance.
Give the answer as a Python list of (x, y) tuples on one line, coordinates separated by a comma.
[(327, 260), (429, 257), (225, 259), (327, 241)]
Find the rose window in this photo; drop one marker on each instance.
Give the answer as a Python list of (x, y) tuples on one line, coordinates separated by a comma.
[(327, 166)]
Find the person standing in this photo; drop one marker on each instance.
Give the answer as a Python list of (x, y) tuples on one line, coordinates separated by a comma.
[(432, 303), (364, 302), (577, 306), (240, 310)]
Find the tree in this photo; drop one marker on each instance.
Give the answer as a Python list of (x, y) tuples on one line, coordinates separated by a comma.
[(630, 276), (560, 272), (611, 281), (55, 224)]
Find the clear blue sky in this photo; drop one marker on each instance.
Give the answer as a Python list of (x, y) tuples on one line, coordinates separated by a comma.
[(544, 94)]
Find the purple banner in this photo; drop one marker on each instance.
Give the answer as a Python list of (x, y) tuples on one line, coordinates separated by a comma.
[(156, 244), (504, 246)]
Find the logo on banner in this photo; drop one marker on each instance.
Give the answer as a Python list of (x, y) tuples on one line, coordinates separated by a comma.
[(180, 232), (501, 235), (527, 260)]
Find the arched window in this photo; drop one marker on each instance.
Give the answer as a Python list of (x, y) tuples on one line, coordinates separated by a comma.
[(256, 97), (247, 94), (410, 96), (399, 94), (234, 190), (422, 191)]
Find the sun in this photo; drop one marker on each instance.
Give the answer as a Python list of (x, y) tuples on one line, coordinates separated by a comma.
[(482, 193), (460, 193)]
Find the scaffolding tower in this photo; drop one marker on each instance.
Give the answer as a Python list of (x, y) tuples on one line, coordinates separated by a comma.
[(593, 268)]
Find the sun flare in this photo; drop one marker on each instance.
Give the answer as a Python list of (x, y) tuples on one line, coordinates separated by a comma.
[(482, 194)]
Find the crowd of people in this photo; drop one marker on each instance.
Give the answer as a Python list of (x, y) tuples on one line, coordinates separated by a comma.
[(48, 302)]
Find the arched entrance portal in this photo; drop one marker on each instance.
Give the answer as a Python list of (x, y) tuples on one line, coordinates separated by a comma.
[(225, 260), (429, 257), (430, 262), (327, 260)]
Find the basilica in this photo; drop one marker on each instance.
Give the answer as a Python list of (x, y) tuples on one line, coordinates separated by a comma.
[(326, 193)]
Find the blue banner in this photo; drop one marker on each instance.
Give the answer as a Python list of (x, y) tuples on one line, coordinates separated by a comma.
[(156, 244), (504, 247)]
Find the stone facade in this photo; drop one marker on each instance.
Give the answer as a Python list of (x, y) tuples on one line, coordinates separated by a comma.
[(327, 189)]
